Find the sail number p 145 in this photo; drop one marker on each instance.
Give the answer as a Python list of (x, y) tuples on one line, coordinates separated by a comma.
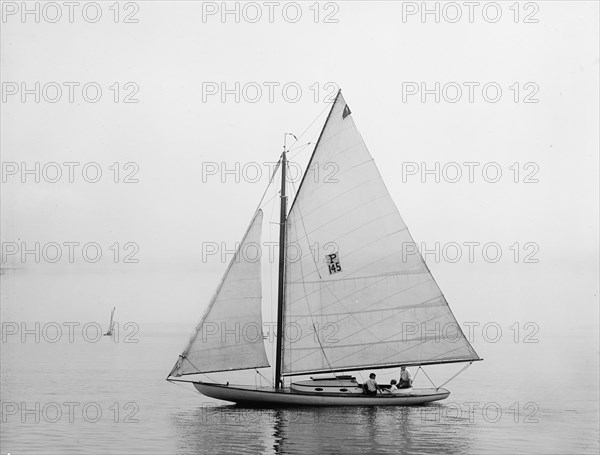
[(333, 263)]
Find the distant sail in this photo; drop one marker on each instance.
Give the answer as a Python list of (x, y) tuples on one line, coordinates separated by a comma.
[(111, 323), (112, 319), (229, 336), (357, 294)]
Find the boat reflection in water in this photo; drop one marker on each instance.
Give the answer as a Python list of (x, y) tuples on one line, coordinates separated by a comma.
[(322, 430)]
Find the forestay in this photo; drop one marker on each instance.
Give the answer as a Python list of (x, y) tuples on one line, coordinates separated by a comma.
[(357, 293)]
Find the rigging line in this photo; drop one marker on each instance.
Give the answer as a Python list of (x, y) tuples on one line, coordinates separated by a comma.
[(198, 369), (299, 149), (270, 200), (267, 379), (362, 380), (327, 106), (415, 376), (269, 185), (425, 373), (460, 371), (326, 359)]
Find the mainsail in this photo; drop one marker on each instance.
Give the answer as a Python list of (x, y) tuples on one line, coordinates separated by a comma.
[(357, 292), (229, 335)]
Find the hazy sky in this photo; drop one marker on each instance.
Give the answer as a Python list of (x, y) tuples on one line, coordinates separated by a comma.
[(545, 61)]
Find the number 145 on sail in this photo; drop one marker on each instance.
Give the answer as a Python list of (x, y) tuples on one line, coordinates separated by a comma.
[(333, 263)]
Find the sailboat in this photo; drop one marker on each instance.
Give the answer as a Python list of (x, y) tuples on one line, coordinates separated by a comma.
[(366, 305), (111, 324)]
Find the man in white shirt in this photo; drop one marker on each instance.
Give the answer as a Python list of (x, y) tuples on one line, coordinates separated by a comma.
[(405, 378)]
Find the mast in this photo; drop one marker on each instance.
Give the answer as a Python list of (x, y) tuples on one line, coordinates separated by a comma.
[(282, 240), (282, 220)]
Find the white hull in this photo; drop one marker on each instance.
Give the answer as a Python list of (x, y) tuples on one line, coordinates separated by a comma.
[(268, 396)]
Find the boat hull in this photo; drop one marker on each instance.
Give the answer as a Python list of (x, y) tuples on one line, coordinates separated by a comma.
[(269, 397)]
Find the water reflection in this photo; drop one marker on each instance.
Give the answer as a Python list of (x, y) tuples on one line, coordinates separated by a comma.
[(377, 430)]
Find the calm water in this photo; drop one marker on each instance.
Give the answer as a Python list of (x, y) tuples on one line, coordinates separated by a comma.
[(111, 398)]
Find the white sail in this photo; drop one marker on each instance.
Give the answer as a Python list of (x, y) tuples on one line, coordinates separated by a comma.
[(111, 323), (229, 335), (112, 317), (357, 294)]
